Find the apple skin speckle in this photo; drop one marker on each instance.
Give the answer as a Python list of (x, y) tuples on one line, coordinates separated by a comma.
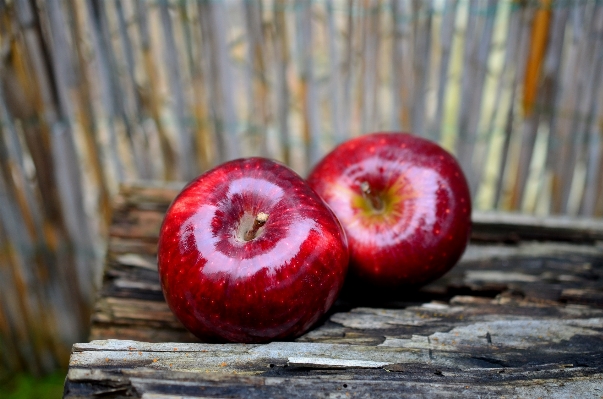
[(424, 225), (273, 286)]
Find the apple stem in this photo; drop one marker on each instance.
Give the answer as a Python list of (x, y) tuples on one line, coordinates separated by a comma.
[(260, 220), (375, 200)]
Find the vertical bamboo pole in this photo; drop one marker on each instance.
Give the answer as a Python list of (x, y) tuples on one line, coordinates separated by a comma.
[(370, 66), (151, 99), (308, 95), (464, 150), (499, 113), (476, 59), (592, 149), (348, 69), (81, 99), (123, 123), (571, 94), (65, 306), (21, 321), (588, 80), (104, 83), (18, 258), (422, 22), (216, 22), (593, 196), (532, 82), (508, 159), (335, 82), (402, 55), (202, 137), (446, 37), (281, 89), (185, 154), (256, 54), (552, 76), (66, 160), (28, 97), (131, 112)]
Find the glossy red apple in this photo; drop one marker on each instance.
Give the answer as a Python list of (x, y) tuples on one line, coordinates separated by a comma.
[(248, 252), (404, 204)]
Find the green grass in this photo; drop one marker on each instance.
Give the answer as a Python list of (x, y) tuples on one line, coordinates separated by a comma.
[(25, 386)]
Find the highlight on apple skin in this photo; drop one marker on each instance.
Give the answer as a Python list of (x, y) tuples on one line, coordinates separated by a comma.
[(404, 203), (248, 252)]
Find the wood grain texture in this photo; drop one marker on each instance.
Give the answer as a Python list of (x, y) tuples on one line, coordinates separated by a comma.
[(469, 346), (520, 320)]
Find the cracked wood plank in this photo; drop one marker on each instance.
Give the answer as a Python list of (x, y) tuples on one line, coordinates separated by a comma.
[(515, 347)]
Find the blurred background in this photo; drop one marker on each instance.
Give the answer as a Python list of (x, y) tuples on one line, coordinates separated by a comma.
[(99, 92)]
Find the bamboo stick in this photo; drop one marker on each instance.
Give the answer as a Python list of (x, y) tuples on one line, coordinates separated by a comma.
[(13, 294), (446, 37), (463, 146), (599, 201), (503, 87), (402, 82), (592, 151), (56, 272), (532, 82), (258, 101), (570, 95), (223, 72), (67, 166), (119, 117), (348, 72), (477, 48), (19, 87), (131, 107), (552, 68), (281, 86), (104, 84), (307, 94), (150, 99), (185, 155), (580, 120), (370, 66), (511, 151), (28, 272), (202, 136), (81, 100), (211, 70), (14, 167), (423, 12), (335, 82), (26, 90)]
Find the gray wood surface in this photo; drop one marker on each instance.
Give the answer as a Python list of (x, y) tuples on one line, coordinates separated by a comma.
[(514, 320)]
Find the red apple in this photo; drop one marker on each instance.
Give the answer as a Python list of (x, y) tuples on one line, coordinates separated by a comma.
[(404, 204), (248, 252)]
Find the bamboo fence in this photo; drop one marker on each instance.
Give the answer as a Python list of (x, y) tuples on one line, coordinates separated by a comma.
[(97, 92)]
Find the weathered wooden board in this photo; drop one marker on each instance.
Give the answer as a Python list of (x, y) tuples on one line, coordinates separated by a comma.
[(471, 346), (520, 320)]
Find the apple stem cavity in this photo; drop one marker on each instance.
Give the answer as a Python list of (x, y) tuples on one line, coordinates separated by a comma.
[(260, 220), (368, 194)]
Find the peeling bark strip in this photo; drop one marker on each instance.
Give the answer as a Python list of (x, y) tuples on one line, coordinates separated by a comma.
[(522, 320)]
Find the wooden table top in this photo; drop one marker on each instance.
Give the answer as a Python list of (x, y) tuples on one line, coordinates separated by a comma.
[(520, 316)]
